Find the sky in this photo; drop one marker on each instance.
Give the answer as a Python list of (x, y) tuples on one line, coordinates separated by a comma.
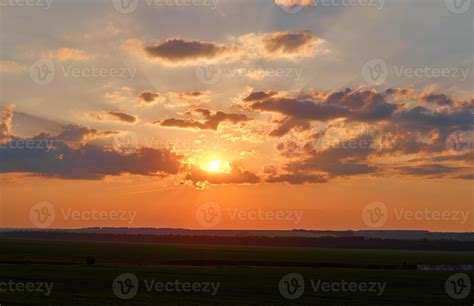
[(237, 114)]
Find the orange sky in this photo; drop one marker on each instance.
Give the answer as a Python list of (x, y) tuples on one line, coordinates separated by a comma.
[(294, 119)]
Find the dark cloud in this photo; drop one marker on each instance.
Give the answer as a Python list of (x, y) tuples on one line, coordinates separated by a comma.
[(124, 117), (79, 133), (289, 43), (438, 99), (149, 97), (366, 106), (178, 50), (431, 170), (421, 117), (260, 95), (466, 177), (51, 157), (297, 179), (236, 175), (210, 120)]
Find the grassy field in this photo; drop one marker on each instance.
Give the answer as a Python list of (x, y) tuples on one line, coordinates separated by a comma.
[(78, 284)]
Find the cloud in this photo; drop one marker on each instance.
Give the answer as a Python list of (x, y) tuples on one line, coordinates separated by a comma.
[(466, 177), (260, 95), (285, 44), (6, 125), (124, 117), (59, 159), (297, 179), (115, 116), (236, 175), (352, 132), (69, 54), (438, 99), (80, 133), (150, 98), (360, 105), (179, 51), (190, 98), (11, 67), (430, 170), (209, 121), (281, 45), (293, 3), (248, 47)]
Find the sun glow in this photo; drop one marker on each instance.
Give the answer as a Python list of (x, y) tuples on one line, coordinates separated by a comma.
[(217, 166)]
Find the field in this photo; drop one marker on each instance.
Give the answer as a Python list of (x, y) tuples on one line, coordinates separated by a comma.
[(246, 275)]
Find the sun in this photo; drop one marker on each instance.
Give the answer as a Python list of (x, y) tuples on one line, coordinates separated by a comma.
[(217, 166), (214, 166)]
